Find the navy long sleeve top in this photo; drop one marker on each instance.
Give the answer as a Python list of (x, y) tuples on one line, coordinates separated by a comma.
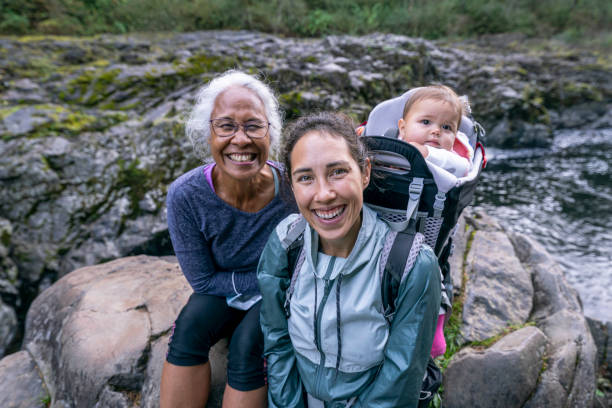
[(218, 246)]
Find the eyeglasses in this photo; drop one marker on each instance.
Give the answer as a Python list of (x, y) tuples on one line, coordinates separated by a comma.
[(228, 128)]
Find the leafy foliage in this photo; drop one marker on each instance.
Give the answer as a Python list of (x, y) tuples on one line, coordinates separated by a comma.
[(567, 19)]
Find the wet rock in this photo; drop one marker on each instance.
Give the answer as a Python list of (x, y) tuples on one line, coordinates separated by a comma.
[(456, 260), (552, 292), (499, 289), (8, 326), (76, 55), (600, 332), (508, 133), (569, 379), (514, 363), (21, 385)]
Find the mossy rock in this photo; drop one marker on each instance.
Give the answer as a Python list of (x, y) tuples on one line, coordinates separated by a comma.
[(50, 119)]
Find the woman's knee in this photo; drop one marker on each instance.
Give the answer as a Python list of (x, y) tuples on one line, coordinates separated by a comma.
[(198, 327)]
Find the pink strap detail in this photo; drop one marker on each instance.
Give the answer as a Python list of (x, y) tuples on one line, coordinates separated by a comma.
[(439, 342)]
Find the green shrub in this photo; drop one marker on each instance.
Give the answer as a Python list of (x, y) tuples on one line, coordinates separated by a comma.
[(574, 20), (13, 23)]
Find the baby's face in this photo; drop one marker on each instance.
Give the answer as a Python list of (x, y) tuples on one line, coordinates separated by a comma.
[(429, 122)]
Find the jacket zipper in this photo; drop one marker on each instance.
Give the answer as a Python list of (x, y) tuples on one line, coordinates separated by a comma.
[(319, 318)]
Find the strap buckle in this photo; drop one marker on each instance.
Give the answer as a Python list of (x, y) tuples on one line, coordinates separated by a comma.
[(414, 193), (438, 205)]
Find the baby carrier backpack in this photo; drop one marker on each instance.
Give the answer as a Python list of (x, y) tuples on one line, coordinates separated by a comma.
[(411, 197), (415, 196)]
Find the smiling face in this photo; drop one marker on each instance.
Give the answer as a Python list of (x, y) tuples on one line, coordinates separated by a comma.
[(239, 156), (430, 122), (328, 187)]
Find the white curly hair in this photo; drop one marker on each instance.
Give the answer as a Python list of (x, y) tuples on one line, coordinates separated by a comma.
[(198, 124)]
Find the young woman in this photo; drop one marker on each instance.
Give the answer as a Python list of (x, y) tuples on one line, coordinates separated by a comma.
[(336, 348)]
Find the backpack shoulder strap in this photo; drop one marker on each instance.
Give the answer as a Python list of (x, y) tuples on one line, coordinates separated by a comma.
[(402, 256), (295, 256)]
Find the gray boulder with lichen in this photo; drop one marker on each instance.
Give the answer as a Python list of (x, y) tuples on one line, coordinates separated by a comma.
[(551, 363)]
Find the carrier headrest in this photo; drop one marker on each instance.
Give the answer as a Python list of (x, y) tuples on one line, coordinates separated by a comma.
[(386, 114)]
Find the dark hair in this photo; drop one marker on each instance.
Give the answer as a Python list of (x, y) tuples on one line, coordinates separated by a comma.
[(333, 124)]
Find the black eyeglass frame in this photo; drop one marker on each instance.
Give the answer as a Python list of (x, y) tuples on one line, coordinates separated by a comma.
[(237, 127)]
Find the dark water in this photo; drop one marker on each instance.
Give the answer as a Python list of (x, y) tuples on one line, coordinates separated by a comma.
[(563, 198)]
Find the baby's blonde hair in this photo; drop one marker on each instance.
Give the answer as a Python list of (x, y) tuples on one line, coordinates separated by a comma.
[(440, 93)]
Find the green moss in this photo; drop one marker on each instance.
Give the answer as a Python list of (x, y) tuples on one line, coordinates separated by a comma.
[(39, 38), (92, 86), (203, 63), (4, 112), (76, 122), (291, 102), (46, 164), (38, 67), (138, 181), (62, 120), (100, 63), (45, 400), (575, 92), (486, 343), (533, 109), (452, 330), (5, 238), (310, 59)]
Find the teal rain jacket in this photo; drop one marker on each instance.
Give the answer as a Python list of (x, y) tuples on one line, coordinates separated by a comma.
[(337, 344)]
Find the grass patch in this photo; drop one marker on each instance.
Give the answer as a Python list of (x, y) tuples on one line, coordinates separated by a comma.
[(452, 330), (585, 21), (486, 343)]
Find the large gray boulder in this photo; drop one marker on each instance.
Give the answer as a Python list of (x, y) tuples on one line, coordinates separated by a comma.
[(98, 338), (570, 376), (95, 334), (511, 279)]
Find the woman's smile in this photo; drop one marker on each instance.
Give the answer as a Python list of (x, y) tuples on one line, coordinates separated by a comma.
[(242, 157), (330, 214)]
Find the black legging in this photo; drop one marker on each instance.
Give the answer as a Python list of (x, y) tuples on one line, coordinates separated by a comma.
[(206, 319)]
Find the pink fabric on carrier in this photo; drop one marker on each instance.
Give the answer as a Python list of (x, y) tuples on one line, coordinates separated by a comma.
[(439, 342)]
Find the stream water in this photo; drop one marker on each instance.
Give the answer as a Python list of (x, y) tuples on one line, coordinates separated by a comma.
[(562, 197)]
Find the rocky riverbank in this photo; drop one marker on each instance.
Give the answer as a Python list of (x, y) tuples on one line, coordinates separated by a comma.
[(92, 128)]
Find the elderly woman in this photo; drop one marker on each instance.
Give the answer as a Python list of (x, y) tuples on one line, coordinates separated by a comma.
[(327, 334), (219, 217)]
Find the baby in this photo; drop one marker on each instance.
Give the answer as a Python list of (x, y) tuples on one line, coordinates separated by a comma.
[(430, 122)]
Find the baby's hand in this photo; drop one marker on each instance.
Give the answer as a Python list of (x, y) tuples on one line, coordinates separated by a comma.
[(421, 148)]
